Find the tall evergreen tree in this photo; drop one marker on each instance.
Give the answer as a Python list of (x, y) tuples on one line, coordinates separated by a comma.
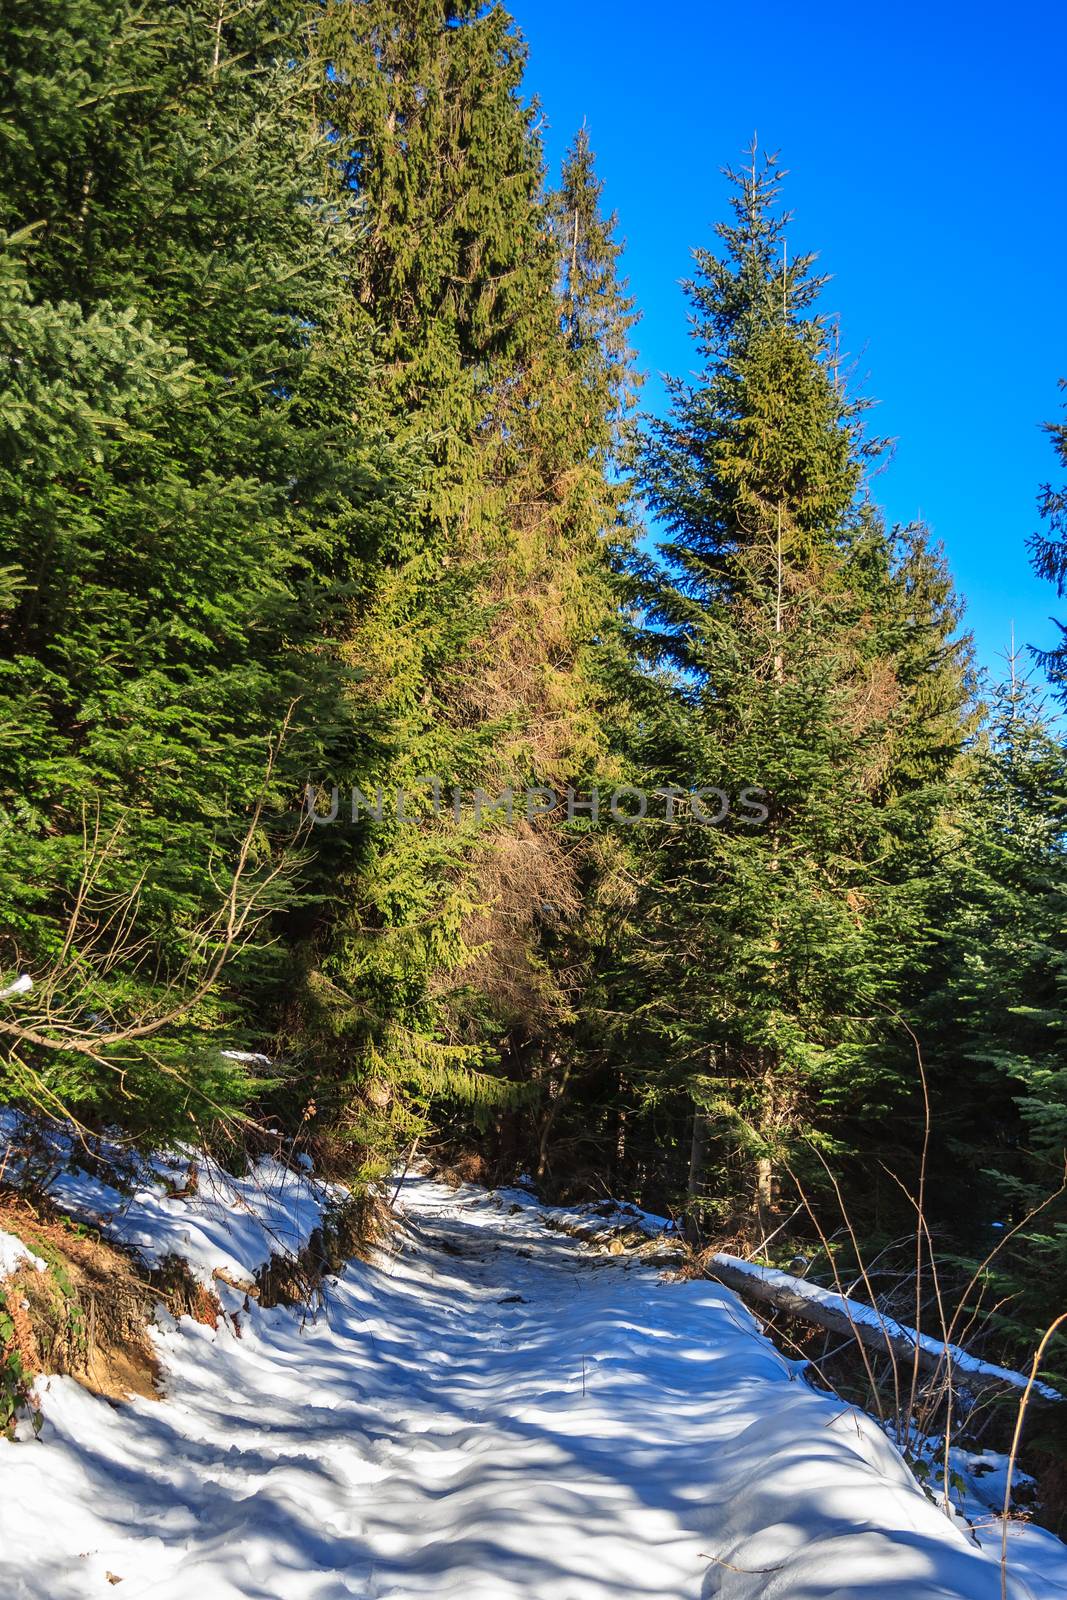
[(500, 580), (193, 488), (780, 630), (991, 1002), (598, 314), (597, 317)]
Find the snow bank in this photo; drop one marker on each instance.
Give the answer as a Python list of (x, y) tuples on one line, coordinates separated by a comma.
[(600, 1223), (183, 1203), (190, 1207)]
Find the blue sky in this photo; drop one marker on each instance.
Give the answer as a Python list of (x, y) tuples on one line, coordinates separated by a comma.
[(926, 153)]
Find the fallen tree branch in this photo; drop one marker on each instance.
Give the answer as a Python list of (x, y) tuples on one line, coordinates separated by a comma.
[(837, 1313)]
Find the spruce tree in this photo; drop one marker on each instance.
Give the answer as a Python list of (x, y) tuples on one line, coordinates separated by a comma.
[(193, 489), (597, 313), (579, 1091), (499, 581), (780, 639), (992, 998)]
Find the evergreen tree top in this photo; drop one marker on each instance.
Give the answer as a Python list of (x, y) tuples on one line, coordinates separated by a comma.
[(596, 310), (761, 458), (752, 283), (1049, 551)]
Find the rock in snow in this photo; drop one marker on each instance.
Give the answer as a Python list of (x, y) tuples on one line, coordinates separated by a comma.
[(487, 1412)]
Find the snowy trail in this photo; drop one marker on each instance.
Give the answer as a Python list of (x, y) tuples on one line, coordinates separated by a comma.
[(491, 1413)]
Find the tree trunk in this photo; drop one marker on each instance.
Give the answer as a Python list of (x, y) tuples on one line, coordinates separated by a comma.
[(557, 1090), (512, 1137), (884, 1335), (697, 1159), (620, 1144), (765, 1190)]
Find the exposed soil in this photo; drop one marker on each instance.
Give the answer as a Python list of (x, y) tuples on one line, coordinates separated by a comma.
[(88, 1315)]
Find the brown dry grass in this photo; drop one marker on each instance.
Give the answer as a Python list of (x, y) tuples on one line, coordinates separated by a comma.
[(468, 1167), (350, 1231)]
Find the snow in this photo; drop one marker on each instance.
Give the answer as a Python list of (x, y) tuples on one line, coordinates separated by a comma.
[(14, 1254), (226, 1224), (600, 1223), (183, 1203), (490, 1411), (859, 1313)]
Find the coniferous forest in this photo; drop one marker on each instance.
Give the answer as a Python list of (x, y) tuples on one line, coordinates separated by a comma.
[(411, 748)]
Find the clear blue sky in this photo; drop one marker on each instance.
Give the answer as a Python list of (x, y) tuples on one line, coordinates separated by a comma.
[(926, 154)]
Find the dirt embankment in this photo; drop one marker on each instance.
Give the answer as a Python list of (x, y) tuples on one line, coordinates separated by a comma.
[(86, 1315)]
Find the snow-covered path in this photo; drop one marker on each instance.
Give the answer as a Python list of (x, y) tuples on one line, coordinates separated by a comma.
[(491, 1413)]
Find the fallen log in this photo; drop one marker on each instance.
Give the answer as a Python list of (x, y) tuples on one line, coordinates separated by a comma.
[(838, 1313)]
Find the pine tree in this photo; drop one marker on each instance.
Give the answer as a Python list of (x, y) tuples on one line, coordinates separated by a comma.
[(477, 651), (992, 998), (193, 488), (780, 641)]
